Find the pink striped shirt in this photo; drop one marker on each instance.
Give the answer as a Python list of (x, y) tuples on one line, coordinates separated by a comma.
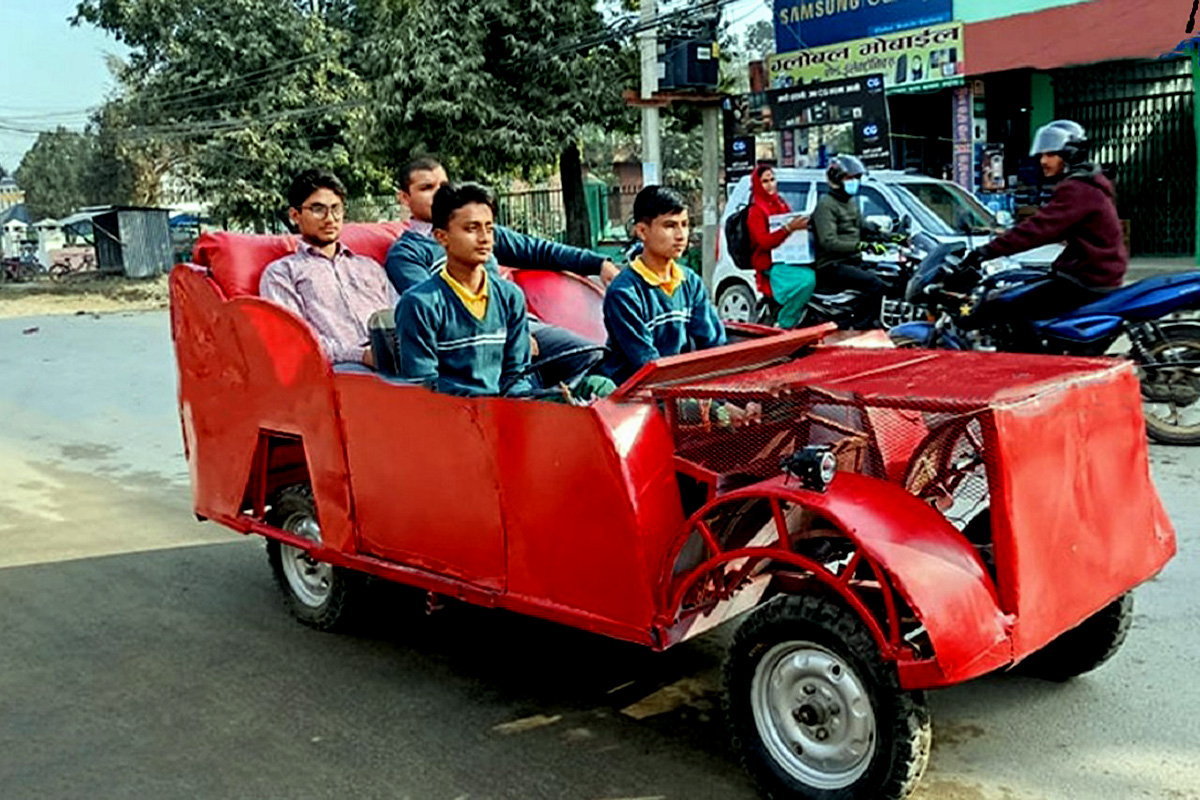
[(335, 296)]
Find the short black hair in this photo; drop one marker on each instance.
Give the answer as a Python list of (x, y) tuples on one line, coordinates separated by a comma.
[(307, 182), (453, 196), (654, 201), (418, 164)]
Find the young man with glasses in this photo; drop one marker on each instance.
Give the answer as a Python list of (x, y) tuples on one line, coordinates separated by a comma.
[(332, 288)]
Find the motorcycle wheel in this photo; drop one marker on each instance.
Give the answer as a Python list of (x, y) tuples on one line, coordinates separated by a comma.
[(1168, 393)]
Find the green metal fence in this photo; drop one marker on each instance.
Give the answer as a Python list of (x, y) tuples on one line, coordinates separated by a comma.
[(1139, 115)]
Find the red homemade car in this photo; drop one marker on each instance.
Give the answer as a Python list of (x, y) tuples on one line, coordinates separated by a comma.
[(986, 510)]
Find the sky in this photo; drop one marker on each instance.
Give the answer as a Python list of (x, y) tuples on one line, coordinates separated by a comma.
[(49, 72)]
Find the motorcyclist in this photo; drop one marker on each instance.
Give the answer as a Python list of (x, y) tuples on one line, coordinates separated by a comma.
[(841, 237), (1082, 213)]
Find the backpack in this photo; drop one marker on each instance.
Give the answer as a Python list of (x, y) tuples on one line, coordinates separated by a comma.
[(737, 239)]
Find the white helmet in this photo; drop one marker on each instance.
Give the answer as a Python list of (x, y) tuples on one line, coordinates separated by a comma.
[(1062, 137)]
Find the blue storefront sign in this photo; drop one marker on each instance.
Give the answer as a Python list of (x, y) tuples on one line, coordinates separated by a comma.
[(810, 23)]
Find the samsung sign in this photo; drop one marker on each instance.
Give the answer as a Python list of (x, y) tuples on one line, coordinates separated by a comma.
[(811, 23)]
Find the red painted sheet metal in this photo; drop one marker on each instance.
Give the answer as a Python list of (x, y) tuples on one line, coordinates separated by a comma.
[(246, 365), (581, 533), (1087, 33), (753, 354), (1076, 517), (945, 378), (533, 498), (425, 479), (931, 565)]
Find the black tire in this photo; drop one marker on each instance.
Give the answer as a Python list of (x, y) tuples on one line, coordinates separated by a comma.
[(1084, 647), (1183, 385), (736, 303), (319, 595), (879, 755)]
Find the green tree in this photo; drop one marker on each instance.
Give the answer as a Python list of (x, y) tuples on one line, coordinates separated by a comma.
[(54, 171), (492, 86), (243, 93)]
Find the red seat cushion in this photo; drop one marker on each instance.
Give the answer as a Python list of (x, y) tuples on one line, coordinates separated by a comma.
[(237, 260), (563, 299)]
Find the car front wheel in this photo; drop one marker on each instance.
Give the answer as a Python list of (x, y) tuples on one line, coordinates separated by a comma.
[(815, 712)]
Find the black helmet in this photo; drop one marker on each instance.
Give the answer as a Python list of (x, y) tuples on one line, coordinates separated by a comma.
[(1062, 137), (843, 167)]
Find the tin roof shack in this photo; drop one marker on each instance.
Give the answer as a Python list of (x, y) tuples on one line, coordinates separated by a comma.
[(133, 240)]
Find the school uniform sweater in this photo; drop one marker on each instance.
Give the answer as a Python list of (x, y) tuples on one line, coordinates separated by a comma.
[(445, 347), (416, 255), (645, 321)]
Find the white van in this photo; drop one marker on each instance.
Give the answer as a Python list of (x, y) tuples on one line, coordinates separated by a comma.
[(939, 208)]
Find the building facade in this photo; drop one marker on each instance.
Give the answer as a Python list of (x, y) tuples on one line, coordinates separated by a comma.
[(1122, 68)]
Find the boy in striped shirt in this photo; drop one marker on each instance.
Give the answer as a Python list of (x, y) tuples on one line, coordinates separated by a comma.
[(462, 332), (657, 308)]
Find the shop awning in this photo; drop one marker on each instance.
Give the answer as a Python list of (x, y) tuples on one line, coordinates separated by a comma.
[(1087, 33)]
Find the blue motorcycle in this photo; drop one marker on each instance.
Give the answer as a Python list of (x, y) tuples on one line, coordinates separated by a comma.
[(966, 307)]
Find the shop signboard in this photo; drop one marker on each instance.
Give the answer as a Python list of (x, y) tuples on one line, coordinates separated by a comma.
[(800, 24), (964, 142), (857, 103), (913, 60), (745, 117)]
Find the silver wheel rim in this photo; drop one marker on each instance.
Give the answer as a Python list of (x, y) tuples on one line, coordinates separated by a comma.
[(813, 715), (1169, 414), (734, 307), (309, 580)]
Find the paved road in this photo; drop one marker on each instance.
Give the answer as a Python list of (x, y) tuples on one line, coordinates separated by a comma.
[(145, 655)]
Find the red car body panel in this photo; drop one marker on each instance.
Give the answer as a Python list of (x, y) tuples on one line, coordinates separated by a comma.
[(575, 514)]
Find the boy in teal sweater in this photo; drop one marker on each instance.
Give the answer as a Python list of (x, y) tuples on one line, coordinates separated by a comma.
[(462, 332), (657, 308)]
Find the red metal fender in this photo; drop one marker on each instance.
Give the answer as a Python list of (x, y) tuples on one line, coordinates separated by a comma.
[(929, 563)]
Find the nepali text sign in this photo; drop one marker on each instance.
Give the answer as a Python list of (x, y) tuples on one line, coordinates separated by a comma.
[(811, 23), (856, 102), (922, 58)]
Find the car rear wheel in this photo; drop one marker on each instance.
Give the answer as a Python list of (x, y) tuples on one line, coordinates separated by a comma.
[(318, 594), (815, 712), (736, 303), (1085, 647)]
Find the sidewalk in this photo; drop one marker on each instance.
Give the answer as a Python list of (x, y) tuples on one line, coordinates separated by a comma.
[(1149, 266)]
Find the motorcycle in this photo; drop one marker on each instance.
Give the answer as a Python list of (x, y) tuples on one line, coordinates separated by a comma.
[(845, 307), (966, 311)]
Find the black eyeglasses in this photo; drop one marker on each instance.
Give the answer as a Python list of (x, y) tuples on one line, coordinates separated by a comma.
[(321, 211)]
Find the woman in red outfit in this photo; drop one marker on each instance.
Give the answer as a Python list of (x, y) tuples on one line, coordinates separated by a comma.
[(790, 285)]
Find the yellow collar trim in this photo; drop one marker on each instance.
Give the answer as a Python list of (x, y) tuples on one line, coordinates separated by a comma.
[(476, 303), (668, 284)]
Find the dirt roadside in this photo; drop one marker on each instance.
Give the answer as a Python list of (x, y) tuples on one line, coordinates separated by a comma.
[(93, 296)]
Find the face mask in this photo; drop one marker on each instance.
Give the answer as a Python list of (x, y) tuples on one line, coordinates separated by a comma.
[(851, 186)]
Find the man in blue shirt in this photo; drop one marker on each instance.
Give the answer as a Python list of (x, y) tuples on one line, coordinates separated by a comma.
[(463, 330), (657, 308), (415, 255)]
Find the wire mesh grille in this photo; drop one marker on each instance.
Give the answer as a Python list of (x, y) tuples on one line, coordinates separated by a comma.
[(939, 452)]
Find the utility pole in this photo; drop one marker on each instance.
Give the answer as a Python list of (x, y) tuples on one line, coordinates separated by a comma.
[(651, 141), (710, 181)]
